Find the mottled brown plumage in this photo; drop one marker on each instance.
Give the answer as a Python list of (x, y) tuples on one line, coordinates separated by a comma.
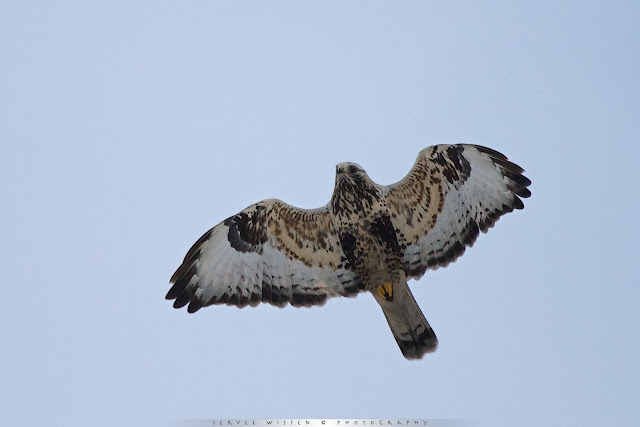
[(367, 238)]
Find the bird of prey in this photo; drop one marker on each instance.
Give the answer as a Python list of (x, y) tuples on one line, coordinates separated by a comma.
[(368, 238)]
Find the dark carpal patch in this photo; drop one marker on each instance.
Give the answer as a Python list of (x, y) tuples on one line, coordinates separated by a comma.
[(455, 168), (458, 159), (183, 275), (247, 232)]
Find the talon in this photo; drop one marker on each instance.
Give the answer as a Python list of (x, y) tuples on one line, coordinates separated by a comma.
[(386, 291)]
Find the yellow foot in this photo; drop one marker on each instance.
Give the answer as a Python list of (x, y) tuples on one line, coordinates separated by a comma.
[(386, 291)]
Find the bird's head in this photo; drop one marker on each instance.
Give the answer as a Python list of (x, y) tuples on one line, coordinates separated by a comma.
[(350, 171), (354, 191)]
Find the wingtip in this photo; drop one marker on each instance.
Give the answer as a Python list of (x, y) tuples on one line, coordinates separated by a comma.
[(194, 305)]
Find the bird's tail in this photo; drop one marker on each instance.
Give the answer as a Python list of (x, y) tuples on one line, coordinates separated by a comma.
[(409, 326)]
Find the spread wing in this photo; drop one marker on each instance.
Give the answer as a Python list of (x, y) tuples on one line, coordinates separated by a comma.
[(451, 194), (270, 252)]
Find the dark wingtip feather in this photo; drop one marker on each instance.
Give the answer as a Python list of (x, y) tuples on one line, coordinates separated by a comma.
[(185, 270), (491, 152), (517, 203), (507, 165), (172, 294), (182, 283), (517, 178), (184, 298), (519, 184), (196, 246), (180, 291), (194, 305), (513, 172), (523, 192)]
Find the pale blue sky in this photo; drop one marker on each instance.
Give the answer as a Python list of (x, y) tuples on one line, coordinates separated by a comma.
[(127, 129)]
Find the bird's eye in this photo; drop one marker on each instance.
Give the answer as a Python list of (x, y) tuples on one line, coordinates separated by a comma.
[(352, 169)]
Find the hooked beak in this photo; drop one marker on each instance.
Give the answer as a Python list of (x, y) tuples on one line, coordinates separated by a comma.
[(339, 169)]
